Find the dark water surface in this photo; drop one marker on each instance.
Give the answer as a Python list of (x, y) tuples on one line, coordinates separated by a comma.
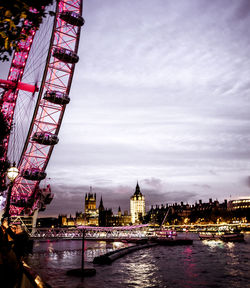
[(212, 264)]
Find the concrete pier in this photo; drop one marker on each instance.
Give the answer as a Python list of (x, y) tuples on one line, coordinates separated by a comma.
[(108, 258)]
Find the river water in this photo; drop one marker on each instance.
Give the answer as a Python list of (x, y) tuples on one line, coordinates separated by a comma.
[(204, 264)]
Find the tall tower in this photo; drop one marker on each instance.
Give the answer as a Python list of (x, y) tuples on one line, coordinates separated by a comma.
[(102, 216), (137, 205), (90, 203)]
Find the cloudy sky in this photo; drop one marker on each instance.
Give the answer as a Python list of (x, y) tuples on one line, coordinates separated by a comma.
[(160, 96)]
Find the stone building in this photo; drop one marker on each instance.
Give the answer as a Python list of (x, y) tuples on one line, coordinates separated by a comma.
[(137, 206), (91, 213), (108, 219), (122, 219)]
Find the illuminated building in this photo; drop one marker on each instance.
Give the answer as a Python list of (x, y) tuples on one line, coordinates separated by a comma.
[(91, 212), (121, 219), (90, 203), (107, 218), (80, 219), (137, 205), (62, 220), (47, 222), (239, 204)]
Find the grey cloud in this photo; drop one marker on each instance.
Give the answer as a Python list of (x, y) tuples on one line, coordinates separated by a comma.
[(212, 172), (153, 182), (242, 11), (160, 94), (153, 198), (203, 186), (246, 181), (162, 97)]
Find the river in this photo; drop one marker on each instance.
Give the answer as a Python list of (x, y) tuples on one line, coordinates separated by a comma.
[(214, 264)]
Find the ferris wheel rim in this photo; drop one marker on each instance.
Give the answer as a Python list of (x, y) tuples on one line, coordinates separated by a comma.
[(39, 99)]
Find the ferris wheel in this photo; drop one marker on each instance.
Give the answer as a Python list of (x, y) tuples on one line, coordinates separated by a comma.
[(35, 96)]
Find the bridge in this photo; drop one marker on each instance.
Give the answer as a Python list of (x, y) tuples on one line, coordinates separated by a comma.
[(131, 233), (128, 233)]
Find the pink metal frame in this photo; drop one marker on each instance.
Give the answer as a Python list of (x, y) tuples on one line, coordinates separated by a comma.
[(48, 116), (12, 85), (116, 232)]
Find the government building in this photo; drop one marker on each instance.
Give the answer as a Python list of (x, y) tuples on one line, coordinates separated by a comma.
[(91, 213), (103, 217), (137, 206)]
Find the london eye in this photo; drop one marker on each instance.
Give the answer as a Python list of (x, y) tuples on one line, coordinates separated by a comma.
[(34, 98)]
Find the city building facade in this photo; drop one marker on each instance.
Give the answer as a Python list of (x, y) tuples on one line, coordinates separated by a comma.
[(207, 212), (239, 204)]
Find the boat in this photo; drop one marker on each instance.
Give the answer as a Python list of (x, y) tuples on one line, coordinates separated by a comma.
[(168, 241), (170, 238), (226, 236), (232, 237), (209, 236)]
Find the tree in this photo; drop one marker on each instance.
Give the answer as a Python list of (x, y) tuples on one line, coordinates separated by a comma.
[(17, 16)]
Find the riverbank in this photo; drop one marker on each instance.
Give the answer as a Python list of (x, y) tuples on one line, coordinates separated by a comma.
[(109, 257)]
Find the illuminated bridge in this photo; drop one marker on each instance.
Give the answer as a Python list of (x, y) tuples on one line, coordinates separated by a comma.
[(128, 233), (92, 233)]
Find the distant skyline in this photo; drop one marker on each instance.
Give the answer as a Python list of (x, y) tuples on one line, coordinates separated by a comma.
[(160, 96)]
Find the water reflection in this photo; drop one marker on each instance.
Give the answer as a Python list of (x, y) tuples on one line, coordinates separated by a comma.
[(141, 273), (50, 247), (117, 245), (189, 265), (232, 260), (214, 243), (69, 248), (230, 245)]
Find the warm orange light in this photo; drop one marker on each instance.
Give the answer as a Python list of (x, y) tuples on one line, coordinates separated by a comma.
[(12, 173)]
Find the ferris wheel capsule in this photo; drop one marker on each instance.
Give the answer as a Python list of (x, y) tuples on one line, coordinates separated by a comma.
[(45, 138), (65, 55), (33, 174), (56, 97), (19, 202), (72, 18)]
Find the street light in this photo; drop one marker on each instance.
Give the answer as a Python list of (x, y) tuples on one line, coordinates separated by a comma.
[(12, 173)]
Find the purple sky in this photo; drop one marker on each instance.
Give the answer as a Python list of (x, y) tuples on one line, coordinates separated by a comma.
[(160, 95)]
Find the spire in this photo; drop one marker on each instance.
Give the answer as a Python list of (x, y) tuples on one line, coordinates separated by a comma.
[(119, 212), (101, 204), (137, 189), (90, 194)]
